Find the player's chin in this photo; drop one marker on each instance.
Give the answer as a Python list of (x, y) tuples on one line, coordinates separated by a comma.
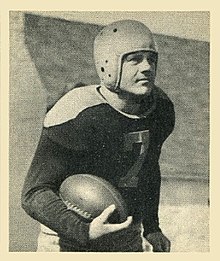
[(143, 89)]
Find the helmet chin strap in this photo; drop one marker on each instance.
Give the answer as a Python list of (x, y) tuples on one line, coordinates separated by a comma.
[(116, 89)]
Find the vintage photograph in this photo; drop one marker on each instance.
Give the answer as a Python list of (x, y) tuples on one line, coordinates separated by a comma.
[(109, 131)]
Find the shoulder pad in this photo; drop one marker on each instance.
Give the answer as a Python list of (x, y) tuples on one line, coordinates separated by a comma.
[(71, 104)]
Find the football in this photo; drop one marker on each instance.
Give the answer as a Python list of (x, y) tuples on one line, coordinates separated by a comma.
[(88, 195)]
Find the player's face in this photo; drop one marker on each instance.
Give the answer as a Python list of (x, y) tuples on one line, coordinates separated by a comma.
[(138, 73)]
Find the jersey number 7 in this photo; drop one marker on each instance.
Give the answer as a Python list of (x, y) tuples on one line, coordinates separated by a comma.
[(142, 138)]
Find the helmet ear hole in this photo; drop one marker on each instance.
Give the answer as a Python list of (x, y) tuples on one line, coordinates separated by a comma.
[(102, 69)]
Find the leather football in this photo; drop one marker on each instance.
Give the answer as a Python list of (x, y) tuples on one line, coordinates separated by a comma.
[(88, 195)]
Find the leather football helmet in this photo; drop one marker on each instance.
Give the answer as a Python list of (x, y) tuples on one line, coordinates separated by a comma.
[(114, 42)]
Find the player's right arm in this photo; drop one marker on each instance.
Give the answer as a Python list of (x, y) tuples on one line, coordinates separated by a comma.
[(40, 197), (40, 200)]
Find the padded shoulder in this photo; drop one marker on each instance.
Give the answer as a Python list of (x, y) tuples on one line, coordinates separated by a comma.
[(71, 104)]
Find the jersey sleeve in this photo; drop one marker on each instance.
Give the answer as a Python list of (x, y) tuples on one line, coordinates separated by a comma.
[(40, 197), (165, 125), (150, 186)]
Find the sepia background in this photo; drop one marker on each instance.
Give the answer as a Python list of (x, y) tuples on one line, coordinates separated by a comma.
[(51, 53)]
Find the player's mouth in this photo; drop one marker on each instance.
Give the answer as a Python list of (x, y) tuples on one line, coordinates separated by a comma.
[(143, 80)]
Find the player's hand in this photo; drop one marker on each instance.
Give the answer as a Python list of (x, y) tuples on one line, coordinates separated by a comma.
[(159, 242), (100, 226)]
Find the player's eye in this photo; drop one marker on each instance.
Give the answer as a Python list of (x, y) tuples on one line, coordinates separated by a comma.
[(135, 58)]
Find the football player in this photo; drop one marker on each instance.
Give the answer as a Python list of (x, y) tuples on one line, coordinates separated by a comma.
[(114, 130)]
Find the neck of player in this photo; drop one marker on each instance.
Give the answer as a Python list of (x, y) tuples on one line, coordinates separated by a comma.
[(126, 102)]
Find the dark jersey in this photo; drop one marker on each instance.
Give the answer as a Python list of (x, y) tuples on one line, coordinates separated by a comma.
[(82, 133)]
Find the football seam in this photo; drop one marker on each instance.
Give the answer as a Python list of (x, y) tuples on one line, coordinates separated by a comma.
[(77, 210)]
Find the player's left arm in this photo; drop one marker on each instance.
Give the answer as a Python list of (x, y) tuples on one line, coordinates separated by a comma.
[(152, 231), (151, 201)]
